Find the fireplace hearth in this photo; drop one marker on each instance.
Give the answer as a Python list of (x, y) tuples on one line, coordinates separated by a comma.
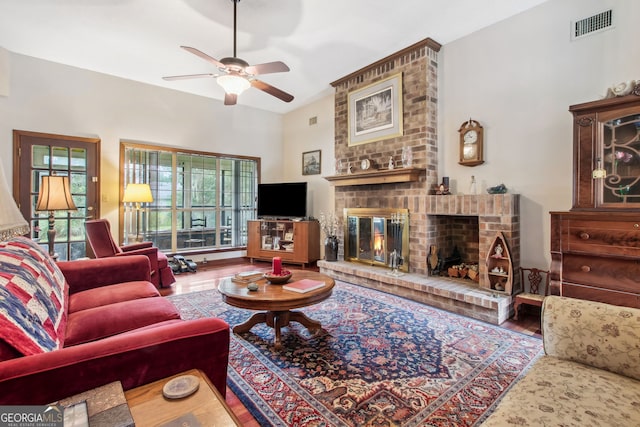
[(436, 216)]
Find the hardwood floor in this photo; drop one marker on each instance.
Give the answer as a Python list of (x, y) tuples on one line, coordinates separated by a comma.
[(207, 278)]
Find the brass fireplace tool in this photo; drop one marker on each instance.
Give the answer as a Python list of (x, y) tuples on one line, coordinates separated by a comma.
[(396, 224)]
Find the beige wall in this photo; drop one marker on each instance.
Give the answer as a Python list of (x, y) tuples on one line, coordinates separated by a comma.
[(53, 98), (5, 75), (518, 78), (300, 137)]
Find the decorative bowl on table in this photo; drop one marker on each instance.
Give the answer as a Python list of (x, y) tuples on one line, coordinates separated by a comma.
[(278, 279)]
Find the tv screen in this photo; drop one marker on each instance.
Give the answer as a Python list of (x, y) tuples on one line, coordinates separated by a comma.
[(282, 200)]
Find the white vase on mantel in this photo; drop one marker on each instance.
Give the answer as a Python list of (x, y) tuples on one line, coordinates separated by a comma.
[(472, 186), (407, 157)]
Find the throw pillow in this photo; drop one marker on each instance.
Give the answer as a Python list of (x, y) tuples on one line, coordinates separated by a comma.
[(33, 298)]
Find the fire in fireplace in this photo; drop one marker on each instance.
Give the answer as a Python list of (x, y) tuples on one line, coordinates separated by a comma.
[(377, 237)]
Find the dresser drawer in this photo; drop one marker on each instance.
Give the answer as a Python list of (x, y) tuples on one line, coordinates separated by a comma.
[(608, 273), (602, 237), (602, 295)]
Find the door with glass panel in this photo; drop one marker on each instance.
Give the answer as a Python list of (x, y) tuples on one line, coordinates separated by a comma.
[(37, 155)]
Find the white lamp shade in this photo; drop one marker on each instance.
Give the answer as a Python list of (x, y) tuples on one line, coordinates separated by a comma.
[(12, 223), (137, 193), (233, 84), (55, 194)]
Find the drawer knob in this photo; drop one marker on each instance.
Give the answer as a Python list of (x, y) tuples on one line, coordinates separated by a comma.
[(636, 226), (585, 268), (584, 235)]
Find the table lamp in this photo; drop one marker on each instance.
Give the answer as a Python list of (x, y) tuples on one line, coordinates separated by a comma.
[(54, 195), (12, 223), (138, 194)]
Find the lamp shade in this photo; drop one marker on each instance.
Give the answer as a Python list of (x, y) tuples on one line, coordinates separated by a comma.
[(12, 223), (55, 194), (233, 84), (137, 193)]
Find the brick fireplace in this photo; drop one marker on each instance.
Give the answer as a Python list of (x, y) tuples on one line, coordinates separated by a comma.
[(418, 65), (431, 219), (490, 214)]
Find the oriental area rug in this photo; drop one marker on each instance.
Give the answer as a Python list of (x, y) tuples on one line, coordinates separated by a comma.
[(379, 360)]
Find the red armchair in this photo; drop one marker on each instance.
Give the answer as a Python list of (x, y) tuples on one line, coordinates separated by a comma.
[(103, 246)]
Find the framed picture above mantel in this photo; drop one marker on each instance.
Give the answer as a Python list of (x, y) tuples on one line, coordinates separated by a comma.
[(375, 111)]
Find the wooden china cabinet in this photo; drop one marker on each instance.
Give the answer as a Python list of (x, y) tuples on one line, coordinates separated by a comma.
[(595, 247)]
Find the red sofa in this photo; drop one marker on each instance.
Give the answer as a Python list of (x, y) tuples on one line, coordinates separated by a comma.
[(71, 326)]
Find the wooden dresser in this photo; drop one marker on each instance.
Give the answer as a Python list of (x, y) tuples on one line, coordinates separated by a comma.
[(596, 256), (595, 247)]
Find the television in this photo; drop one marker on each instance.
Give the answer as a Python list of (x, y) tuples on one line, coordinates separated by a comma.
[(282, 200)]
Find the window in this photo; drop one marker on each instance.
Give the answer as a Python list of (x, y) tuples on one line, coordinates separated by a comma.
[(200, 200)]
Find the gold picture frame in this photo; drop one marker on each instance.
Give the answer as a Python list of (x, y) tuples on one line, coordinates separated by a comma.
[(311, 162), (375, 111)]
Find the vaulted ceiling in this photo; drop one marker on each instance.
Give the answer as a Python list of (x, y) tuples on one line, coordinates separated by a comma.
[(320, 40)]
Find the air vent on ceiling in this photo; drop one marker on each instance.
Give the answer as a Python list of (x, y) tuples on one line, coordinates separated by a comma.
[(592, 25)]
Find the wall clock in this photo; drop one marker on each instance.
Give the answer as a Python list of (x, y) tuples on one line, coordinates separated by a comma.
[(471, 142)]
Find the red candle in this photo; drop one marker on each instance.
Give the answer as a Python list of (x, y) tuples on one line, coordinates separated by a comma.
[(277, 265)]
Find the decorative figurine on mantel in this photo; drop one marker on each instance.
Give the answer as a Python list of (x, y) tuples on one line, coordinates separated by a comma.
[(391, 163), (498, 189), (443, 188)]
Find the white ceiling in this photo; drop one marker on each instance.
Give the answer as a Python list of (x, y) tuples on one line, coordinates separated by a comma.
[(320, 40)]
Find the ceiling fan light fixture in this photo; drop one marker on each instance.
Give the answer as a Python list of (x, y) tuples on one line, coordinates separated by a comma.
[(237, 75), (233, 84)]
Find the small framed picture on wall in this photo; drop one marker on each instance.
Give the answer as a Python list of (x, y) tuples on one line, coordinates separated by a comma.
[(311, 162)]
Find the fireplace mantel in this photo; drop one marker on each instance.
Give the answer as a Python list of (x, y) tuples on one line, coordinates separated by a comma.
[(385, 176)]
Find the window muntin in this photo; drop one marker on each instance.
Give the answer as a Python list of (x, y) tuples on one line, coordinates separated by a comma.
[(201, 200)]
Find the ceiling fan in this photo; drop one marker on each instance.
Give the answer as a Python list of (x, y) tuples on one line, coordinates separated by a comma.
[(236, 75)]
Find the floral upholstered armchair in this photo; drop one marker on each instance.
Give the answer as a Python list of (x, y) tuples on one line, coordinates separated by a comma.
[(589, 374)]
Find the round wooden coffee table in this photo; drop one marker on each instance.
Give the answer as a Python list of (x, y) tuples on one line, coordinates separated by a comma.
[(276, 301)]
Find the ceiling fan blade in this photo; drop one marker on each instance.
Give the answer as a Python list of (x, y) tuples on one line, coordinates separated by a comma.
[(266, 68), (203, 56), (230, 99), (265, 87), (189, 76), (271, 90)]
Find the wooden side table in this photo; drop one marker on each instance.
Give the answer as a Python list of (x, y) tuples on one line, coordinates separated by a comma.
[(150, 408)]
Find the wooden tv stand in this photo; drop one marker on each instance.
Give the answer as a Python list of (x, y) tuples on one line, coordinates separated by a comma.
[(295, 242)]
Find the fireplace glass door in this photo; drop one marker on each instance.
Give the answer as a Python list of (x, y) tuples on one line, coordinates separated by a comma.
[(379, 233), (371, 236)]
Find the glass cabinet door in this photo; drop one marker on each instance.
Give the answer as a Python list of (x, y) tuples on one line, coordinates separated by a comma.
[(621, 161)]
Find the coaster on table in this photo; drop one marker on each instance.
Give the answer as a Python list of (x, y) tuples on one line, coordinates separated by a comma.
[(181, 386)]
